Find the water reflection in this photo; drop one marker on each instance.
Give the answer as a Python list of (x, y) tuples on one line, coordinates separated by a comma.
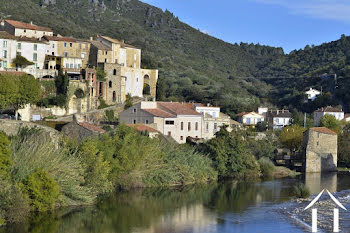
[(217, 207)]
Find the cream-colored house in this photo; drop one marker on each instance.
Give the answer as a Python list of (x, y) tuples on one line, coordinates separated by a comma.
[(250, 118), (329, 110), (22, 29), (175, 120), (126, 61)]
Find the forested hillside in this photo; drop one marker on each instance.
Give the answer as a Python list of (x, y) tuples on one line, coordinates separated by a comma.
[(193, 65)]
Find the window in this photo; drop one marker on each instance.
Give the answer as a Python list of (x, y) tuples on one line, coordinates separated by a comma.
[(35, 47), (105, 60), (65, 44), (182, 125), (196, 126), (207, 127), (189, 126), (259, 120), (169, 133), (146, 122), (5, 64), (215, 126), (5, 44), (19, 46), (71, 66), (4, 55), (134, 121), (318, 143), (83, 55), (181, 138), (71, 45), (114, 72), (170, 122), (25, 30), (248, 121), (134, 110), (53, 46), (110, 84), (65, 54)]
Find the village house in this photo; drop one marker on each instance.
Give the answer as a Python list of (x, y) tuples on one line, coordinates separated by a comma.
[(278, 119), (171, 119), (151, 132), (250, 118), (329, 110), (312, 94), (22, 29), (212, 119), (126, 77), (320, 147)]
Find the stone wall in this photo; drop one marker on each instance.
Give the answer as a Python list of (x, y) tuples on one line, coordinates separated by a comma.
[(320, 151)]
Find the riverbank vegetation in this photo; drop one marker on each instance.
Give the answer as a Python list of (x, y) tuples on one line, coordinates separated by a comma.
[(41, 173)]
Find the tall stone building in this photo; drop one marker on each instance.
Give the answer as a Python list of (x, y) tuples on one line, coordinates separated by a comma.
[(320, 147)]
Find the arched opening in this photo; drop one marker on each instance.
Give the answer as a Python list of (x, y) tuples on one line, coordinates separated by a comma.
[(114, 96), (146, 85), (48, 77), (79, 93), (110, 84), (114, 72)]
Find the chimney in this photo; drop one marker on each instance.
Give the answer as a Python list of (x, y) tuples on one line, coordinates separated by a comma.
[(31, 22), (208, 105), (91, 38)]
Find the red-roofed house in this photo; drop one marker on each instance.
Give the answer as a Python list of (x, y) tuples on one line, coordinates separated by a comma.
[(172, 119), (22, 29), (152, 133)]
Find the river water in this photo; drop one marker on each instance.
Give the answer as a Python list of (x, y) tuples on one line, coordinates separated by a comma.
[(250, 207)]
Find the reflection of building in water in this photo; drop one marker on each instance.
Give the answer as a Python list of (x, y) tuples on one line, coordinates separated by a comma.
[(316, 182), (192, 218)]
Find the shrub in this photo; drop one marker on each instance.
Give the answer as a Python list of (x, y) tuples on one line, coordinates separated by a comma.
[(301, 191), (102, 103), (5, 160), (42, 190), (267, 167), (128, 101), (34, 149), (109, 115)]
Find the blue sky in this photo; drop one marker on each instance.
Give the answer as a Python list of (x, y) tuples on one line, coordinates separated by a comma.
[(290, 24)]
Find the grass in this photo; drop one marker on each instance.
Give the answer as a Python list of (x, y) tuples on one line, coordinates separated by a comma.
[(301, 191)]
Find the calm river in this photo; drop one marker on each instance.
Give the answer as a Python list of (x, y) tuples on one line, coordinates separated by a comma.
[(250, 207)]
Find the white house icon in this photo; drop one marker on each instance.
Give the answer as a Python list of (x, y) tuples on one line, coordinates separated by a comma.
[(336, 212)]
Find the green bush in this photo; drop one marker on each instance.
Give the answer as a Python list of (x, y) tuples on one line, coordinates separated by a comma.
[(5, 159), (42, 190), (128, 101), (301, 191), (267, 167)]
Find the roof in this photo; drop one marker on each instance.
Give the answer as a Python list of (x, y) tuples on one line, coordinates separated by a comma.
[(329, 109), (246, 113), (99, 45), (91, 127), (59, 38), (159, 112), (142, 128), (22, 25), (177, 108), (280, 113), (115, 41), (233, 122), (6, 35), (347, 115), (323, 130)]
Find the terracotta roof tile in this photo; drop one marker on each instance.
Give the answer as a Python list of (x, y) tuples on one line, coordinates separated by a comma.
[(323, 130), (91, 127), (142, 128), (115, 41), (159, 112), (242, 114), (329, 109), (22, 25), (57, 38), (177, 108), (347, 115)]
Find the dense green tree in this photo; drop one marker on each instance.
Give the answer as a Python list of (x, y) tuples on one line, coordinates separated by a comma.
[(292, 137), (5, 157), (330, 122), (21, 61)]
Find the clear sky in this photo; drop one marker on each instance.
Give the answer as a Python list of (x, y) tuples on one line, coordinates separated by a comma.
[(290, 24)]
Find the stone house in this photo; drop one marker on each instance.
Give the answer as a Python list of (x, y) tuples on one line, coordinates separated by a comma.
[(22, 29), (171, 119), (152, 133), (329, 110), (250, 118), (81, 130), (320, 146)]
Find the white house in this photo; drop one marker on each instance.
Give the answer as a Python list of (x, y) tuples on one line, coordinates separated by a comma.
[(279, 118), (329, 110), (172, 119), (312, 94), (250, 118)]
